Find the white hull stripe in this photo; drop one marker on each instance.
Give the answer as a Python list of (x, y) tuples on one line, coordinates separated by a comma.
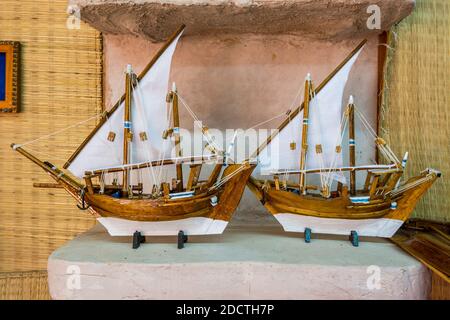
[(380, 227), (190, 226), (360, 199)]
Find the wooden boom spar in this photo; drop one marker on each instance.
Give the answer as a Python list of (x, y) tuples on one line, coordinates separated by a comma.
[(156, 163), (54, 172), (391, 167)]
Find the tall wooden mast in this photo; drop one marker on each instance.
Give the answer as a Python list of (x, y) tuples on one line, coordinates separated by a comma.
[(351, 144), (127, 133), (304, 148), (176, 132)]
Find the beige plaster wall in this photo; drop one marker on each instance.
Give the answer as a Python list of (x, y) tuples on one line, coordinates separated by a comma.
[(237, 81)]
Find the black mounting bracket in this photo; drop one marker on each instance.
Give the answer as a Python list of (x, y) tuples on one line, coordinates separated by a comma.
[(354, 238), (138, 238), (182, 239), (308, 233)]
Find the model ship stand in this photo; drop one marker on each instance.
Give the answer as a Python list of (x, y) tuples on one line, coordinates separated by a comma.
[(138, 238)]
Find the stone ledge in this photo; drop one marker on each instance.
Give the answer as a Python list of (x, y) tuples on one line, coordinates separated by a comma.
[(244, 263), (319, 19)]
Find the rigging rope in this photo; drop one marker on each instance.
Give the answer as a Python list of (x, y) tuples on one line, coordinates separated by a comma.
[(139, 101), (110, 145), (288, 112), (162, 154), (62, 130), (49, 156), (196, 122), (384, 149), (223, 180), (340, 138), (130, 170)]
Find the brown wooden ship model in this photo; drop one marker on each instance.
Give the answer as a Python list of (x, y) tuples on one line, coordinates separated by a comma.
[(308, 190), (126, 161)]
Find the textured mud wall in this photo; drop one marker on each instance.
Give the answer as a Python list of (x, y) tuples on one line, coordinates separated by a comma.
[(318, 19), (237, 81)]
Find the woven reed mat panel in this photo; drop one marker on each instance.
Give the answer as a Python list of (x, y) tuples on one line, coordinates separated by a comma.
[(414, 115), (31, 285), (61, 86)]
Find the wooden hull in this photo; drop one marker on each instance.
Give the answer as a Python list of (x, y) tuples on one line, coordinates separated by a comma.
[(196, 215), (339, 215)]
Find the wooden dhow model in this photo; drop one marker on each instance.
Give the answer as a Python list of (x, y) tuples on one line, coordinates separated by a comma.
[(309, 192), (125, 161)]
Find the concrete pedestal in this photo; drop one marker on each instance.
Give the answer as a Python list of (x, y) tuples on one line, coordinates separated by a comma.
[(244, 263)]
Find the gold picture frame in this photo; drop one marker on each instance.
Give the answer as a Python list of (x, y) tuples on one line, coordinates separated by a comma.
[(9, 76)]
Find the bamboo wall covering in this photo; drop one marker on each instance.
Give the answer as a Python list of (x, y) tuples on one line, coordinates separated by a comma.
[(414, 116), (61, 85), (31, 285)]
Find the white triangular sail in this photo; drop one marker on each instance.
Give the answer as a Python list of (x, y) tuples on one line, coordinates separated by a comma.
[(324, 129), (149, 115)]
